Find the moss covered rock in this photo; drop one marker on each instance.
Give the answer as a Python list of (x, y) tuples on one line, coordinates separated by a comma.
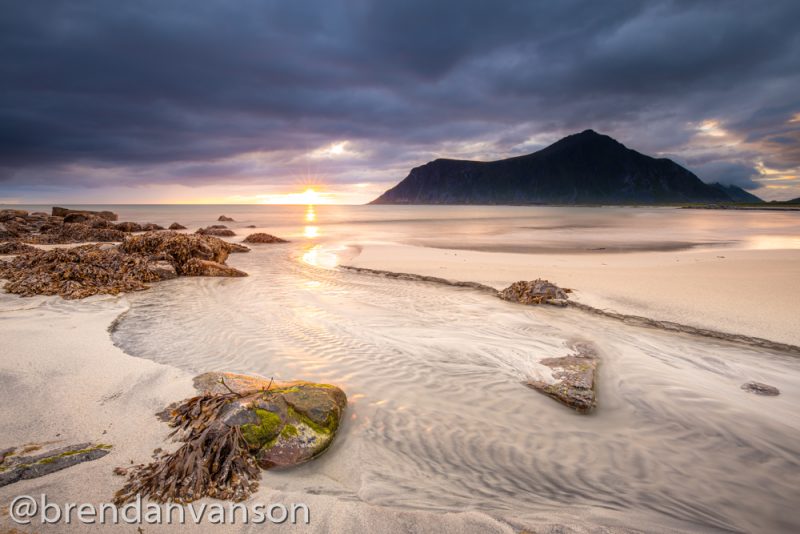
[(284, 423)]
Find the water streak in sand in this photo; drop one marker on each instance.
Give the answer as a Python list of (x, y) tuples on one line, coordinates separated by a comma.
[(440, 420)]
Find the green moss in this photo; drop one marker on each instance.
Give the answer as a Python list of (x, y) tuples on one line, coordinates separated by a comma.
[(260, 434), (289, 431), (51, 459), (330, 425)]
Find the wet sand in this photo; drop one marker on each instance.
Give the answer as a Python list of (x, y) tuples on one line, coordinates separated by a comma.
[(749, 292)]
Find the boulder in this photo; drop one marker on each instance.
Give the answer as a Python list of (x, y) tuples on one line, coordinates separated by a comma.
[(152, 227), (284, 423), (248, 421), (177, 248), (259, 238), (223, 218), (7, 215), (128, 226), (760, 388), (535, 292), (574, 379), (177, 226), (63, 212), (216, 230)]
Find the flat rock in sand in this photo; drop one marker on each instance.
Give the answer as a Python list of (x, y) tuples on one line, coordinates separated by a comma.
[(575, 379), (15, 466)]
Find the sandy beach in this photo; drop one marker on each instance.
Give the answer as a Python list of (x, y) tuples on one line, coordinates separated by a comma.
[(750, 292)]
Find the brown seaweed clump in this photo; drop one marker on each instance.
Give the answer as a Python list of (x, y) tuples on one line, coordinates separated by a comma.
[(78, 272), (219, 230), (75, 233), (535, 292)]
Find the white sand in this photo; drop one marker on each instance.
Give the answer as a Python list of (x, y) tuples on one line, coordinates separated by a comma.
[(750, 292), (62, 379)]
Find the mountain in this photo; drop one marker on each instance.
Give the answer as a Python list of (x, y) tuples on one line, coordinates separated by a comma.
[(584, 168), (794, 201), (736, 193)]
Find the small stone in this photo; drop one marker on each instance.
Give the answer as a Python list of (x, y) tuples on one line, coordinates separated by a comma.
[(223, 218), (575, 379), (761, 389), (177, 226)]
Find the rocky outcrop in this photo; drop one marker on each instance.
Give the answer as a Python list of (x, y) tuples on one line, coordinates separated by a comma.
[(75, 233), (87, 270), (63, 212), (16, 464), (760, 388), (574, 379), (535, 292), (223, 218), (219, 230), (262, 238), (238, 424), (177, 226)]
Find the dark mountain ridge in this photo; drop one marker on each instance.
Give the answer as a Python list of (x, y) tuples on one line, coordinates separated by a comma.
[(584, 168)]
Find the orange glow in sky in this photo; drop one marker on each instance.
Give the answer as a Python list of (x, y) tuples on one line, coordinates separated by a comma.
[(310, 196)]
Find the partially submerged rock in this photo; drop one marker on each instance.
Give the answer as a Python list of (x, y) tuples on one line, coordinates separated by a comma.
[(759, 388), (198, 267), (260, 237), (152, 227), (177, 248), (15, 465), (535, 292), (574, 379), (238, 424), (177, 226), (223, 218), (219, 230)]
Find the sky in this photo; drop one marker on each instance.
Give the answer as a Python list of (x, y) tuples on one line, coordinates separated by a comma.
[(250, 101)]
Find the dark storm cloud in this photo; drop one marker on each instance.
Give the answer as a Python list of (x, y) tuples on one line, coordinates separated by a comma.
[(175, 92)]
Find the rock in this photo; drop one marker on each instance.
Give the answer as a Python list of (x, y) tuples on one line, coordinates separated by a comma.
[(177, 248), (761, 389), (14, 467), (284, 423), (251, 226), (128, 227), (575, 377), (78, 272), (535, 292), (216, 230), (176, 226), (236, 247), (152, 227), (76, 233), (263, 238), (16, 248), (223, 218), (164, 270), (7, 215), (63, 212), (198, 267)]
